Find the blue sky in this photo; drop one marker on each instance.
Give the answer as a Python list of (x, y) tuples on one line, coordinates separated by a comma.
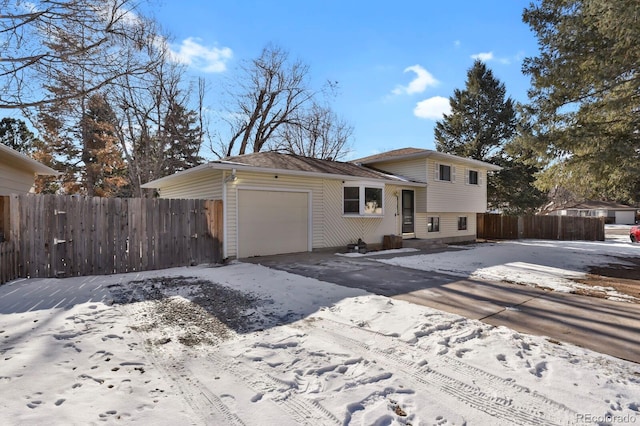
[(396, 62)]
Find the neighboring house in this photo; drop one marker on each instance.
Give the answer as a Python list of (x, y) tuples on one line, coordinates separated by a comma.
[(17, 176), (18, 171), (612, 212), (281, 203)]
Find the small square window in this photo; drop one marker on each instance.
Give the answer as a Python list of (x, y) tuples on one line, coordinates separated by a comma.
[(473, 177), (445, 172), (433, 225), (462, 223)]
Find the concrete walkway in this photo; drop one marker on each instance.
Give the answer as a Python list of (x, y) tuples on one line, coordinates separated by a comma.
[(602, 325)]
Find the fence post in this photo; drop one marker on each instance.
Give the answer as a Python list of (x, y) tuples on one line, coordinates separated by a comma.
[(520, 227)]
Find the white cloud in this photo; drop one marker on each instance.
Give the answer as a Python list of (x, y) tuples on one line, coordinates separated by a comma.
[(207, 59), (457, 43), (432, 108), (419, 84), (484, 57), (489, 56)]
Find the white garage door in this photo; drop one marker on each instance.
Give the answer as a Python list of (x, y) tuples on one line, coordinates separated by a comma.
[(272, 222), (625, 217)]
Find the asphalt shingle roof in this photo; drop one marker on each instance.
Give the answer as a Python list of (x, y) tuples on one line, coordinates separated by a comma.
[(276, 160)]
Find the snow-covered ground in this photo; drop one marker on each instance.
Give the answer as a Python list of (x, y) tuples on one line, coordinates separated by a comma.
[(308, 352), (541, 263)]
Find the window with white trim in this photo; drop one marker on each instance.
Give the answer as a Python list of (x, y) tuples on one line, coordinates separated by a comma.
[(362, 199), (433, 224), (472, 177), (445, 172), (462, 223)]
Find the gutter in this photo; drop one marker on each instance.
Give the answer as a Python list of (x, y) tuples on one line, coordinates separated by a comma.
[(228, 165)]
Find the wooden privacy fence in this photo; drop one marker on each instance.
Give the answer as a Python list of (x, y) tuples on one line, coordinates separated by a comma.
[(61, 236), (8, 262), (495, 226)]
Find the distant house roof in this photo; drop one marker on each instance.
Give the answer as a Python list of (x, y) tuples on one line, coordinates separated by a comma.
[(22, 161), (274, 162), (410, 153), (596, 205)]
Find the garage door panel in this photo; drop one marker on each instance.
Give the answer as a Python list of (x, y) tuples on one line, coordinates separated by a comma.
[(272, 222)]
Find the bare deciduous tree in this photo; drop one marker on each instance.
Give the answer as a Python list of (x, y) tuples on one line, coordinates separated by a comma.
[(158, 133), (269, 94), (40, 41), (274, 108), (317, 133)]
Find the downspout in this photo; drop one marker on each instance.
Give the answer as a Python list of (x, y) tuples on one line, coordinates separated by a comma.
[(225, 180), (398, 215), (224, 216)]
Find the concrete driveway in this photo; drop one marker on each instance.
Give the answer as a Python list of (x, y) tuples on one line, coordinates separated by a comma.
[(602, 325)]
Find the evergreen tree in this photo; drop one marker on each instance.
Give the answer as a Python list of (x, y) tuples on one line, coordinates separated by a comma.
[(482, 119), (15, 134), (105, 173), (183, 139), (483, 125), (586, 88), (60, 150)]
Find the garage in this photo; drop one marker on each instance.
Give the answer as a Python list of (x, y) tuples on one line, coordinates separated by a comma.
[(272, 222), (625, 217)]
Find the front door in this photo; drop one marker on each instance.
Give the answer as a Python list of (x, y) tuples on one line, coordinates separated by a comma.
[(408, 216)]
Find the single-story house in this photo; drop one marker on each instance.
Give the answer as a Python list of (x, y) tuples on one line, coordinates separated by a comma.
[(612, 212), (281, 203), (18, 171)]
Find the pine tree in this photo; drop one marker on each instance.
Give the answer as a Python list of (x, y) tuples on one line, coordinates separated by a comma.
[(482, 118), (183, 138), (105, 173), (16, 135), (60, 150), (585, 90), (483, 125)]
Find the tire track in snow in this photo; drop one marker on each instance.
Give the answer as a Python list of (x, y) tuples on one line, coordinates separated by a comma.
[(304, 411), (197, 396), (518, 405)]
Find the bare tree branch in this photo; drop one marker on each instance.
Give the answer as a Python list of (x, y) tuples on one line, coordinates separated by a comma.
[(42, 40)]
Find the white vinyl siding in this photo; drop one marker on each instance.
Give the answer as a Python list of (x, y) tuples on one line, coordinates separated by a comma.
[(413, 169), (15, 181), (330, 228), (340, 230), (206, 185), (455, 196), (448, 226)]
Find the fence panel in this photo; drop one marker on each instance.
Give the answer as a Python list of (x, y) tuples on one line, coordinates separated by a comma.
[(8, 262), (59, 236), (495, 226)]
